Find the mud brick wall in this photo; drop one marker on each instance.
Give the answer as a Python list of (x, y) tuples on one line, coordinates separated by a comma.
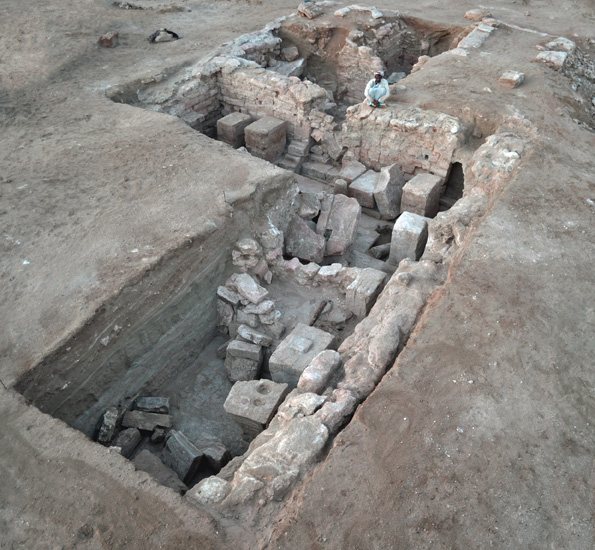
[(417, 140), (260, 93)]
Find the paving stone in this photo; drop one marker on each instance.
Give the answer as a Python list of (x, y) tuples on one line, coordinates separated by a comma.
[(409, 238), (148, 462), (152, 404), (338, 223), (351, 171), (254, 336), (230, 128), (147, 421), (252, 404), (303, 243), (266, 138), (388, 190), (181, 455), (362, 189), (318, 372), (127, 440), (421, 195), (363, 291), (247, 287), (296, 351), (511, 79)]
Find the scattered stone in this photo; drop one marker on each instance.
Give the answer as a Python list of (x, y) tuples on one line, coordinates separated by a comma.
[(252, 404), (147, 421), (254, 336), (271, 238), (181, 455), (380, 251), (244, 318), (266, 138), (421, 195), (340, 187), (351, 171), (209, 491), (338, 223), (158, 436), (109, 40), (296, 351), (213, 451), (511, 79), (388, 191), (554, 60), (309, 206), (362, 189), (228, 295), (153, 404), (222, 350), (163, 35), (247, 287), (477, 14), (562, 44), (293, 68), (148, 462), (270, 317), (230, 129), (109, 423), (333, 414), (243, 361), (309, 9), (363, 291), (329, 273), (290, 53), (225, 314), (409, 238), (318, 372), (237, 348), (127, 441), (266, 306), (304, 243)]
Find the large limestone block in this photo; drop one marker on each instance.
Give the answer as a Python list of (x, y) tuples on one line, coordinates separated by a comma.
[(409, 237), (338, 223), (230, 128), (304, 243), (362, 189), (181, 455), (296, 351), (421, 195), (252, 404), (363, 291), (266, 138), (388, 190)]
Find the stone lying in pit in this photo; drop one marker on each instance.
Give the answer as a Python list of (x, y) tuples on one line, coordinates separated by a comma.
[(363, 291), (338, 223), (153, 404), (304, 243), (148, 462), (127, 440), (388, 191), (410, 234), (266, 138), (111, 420), (147, 421), (421, 195), (230, 128), (254, 337), (317, 374), (243, 360), (252, 404), (213, 451), (296, 351), (181, 455), (362, 189)]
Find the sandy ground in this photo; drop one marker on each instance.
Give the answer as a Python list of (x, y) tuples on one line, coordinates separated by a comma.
[(480, 436)]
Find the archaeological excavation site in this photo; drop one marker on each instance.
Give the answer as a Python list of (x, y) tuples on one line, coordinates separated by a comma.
[(233, 371)]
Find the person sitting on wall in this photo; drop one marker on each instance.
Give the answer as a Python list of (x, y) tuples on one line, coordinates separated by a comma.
[(377, 91)]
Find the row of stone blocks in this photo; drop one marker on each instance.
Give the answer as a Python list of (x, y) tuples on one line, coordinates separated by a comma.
[(265, 138)]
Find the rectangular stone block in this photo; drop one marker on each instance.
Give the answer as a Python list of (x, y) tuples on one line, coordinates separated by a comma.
[(253, 404), (247, 287), (147, 421), (409, 237), (362, 189), (153, 404), (266, 138), (304, 243), (351, 171), (127, 440), (230, 128), (241, 368), (338, 223), (421, 195), (296, 352), (254, 336), (363, 291), (388, 190), (238, 348), (181, 455)]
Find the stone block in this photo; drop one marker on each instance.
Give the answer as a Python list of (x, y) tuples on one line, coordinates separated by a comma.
[(241, 368), (254, 336), (109, 40), (153, 404), (388, 190), (291, 53), (247, 287), (127, 440), (209, 491), (244, 318), (362, 189), (264, 307), (317, 374), (110, 421), (351, 171), (237, 348), (147, 421), (228, 295), (511, 79), (363, 291), (266, 138), (181, 455), (213, 451), (340, 187), (296, 351), (252, 404), (421, 195), (225, 313), (338, 223), (148, 462), (409, 237), (230, 128), (303, 243)]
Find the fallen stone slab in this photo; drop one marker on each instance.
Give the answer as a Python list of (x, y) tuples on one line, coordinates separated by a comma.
[(152, 465), (421, 195), (254, 336), (110, 422), (247, 287), (338, 223), (317, 374), (363, 291), (304, 243), (230, 128), (252, 404), (362, 189), (127, 440), (409, 238), (181, 455), (296, 351), (147, 421), (152, 404), (388, 191)]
